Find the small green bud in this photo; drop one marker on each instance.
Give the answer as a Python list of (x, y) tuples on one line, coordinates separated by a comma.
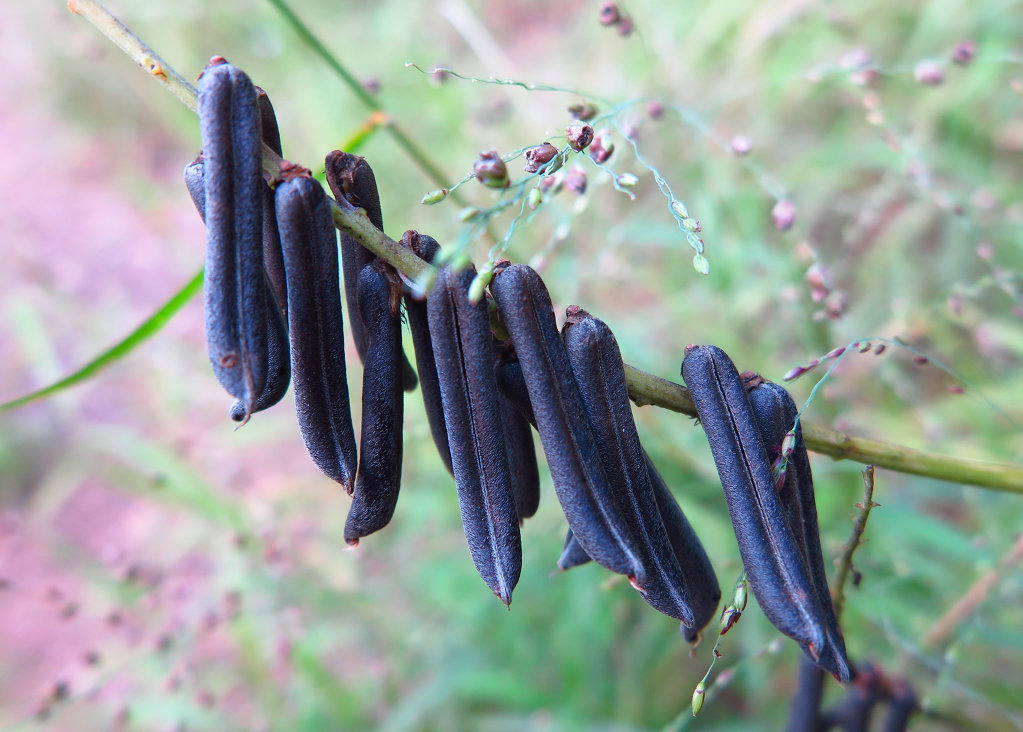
[(740, 596), (679, 208), (469, 213), (434, 197), (691, 224), (698, 697), (480, 282), (701, 264), (534, 199), (627, 180)]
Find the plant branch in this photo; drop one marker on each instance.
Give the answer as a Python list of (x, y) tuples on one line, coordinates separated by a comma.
[(859, 526), (644, 388)]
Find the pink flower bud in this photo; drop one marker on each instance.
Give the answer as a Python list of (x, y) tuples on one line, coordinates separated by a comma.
[(741, 146), (579, 135), (784, 214), (609, 13), (601, 147), (537, 157), (584, 111), (575, 180), (655, 109), (963, 53), (490, 170), (929, 73)]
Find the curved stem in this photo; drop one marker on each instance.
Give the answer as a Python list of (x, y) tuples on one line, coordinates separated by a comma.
[(644, 388)]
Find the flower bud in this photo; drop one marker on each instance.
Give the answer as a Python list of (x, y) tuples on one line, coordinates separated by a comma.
[(680, 209), (691, 224), (655, 109), (537, 157), (579, 135), (434, 197), (929, 73), (534, 198), (701, 264), (963, 53), (627, 180), (491, 171), (784, 214), (583, 111), (741, 146), (624, 26), (601, 147), (698, 697), (469, 213), (575, 180), (609, 13)]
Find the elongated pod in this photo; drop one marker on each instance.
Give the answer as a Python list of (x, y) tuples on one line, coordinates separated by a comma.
[(315, 328), (426, 248), (273, 257), (350, 177), (479, 459), (775, 413), (572, 555), (517, 415), (600, 375), (278, 359), (769, 552), (233, 297), (854, 711), (380, 444), (805, 709), (572, 452), (901, 707)]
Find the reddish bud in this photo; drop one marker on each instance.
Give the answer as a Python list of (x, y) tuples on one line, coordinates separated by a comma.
[(584, 111), (575, 180), (537, 157), (601, 147), (624, 26), (963, 53), (929, 73), (956, 390), (609, 14), (490, 170), (784, 214), (880, 349), (741, 146), (920, 360), (655, 109), (579, 135)]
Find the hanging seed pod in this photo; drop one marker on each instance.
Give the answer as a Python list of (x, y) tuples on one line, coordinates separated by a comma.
[(350, 177), (572, 453), (273, 257), (769, 552), (600, 375), (234, 301), (380, 445), (901, 707), (804, 712), (426, 248), (517, 415), (465, 367), (315, 327), (278, 357), (572, 555), (775, 414)]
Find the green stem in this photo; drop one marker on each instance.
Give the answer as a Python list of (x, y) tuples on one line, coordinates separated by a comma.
[(153, 324), (644, 388)]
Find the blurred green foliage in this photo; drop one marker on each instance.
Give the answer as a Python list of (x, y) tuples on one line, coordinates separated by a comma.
[(248, 611)]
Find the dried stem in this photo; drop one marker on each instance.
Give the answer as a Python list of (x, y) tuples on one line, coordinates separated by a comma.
[(859, 526), (644, 388)]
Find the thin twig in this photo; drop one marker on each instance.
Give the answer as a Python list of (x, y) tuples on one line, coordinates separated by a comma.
[(644, 388), (942, 629), (845, 562)]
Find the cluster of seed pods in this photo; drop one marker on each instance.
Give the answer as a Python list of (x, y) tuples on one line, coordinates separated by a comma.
[(274, 315)]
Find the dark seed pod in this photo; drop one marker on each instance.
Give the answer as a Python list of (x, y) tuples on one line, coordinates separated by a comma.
[(426, 248), (278, 364), (697, 571), (769, 552), (315, 327), (572, 555), (273, 258), (804, 712), (854, 711), (350, 177), (380, 444), (517, 415), (476, 435), (512, 386), (600, 375), (234, 301), (902, 706), (568, 442), (278, 357), (775, 413)]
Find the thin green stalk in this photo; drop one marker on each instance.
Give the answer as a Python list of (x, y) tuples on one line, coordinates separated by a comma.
[(644, 388), (153, 324)]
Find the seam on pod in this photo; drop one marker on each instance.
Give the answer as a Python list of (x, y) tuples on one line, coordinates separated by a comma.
[(380, 442), (273, 257), (278, 358), (600, 375), (517, 415), (766, 545), (568, 443), (233, 299), (315, 328), (350, 177), (465, 368), (426, 248), (775, 413)]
